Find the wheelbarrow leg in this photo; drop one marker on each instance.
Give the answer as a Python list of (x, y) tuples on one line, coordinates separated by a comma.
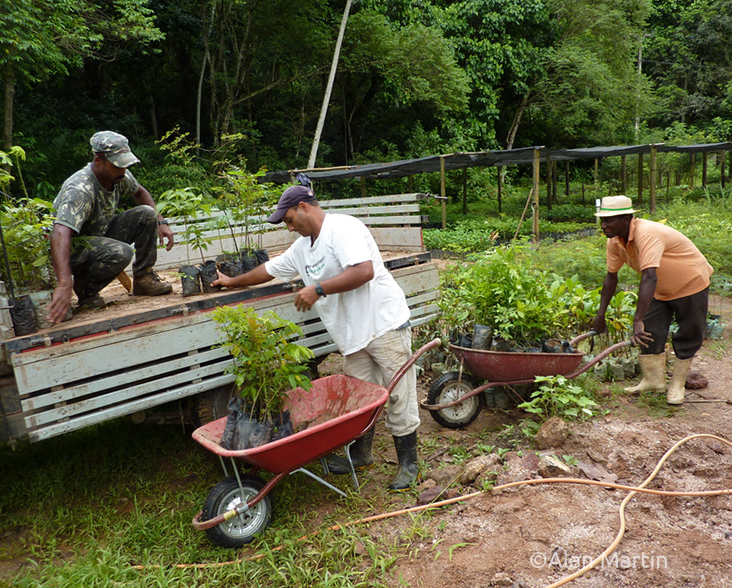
[(319, 479), (347, 451)]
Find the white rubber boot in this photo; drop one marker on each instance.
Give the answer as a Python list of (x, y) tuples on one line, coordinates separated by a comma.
[(653, 368), (676, 389)]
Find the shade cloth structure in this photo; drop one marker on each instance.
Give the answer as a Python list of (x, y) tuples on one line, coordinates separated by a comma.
[(453, 161)]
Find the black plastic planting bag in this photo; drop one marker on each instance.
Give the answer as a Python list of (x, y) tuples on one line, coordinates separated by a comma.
[(243, 430), (24, 316), (190, 280), (208, 275)]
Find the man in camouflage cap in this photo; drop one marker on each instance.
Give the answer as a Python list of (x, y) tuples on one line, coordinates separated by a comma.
[(91, 243)]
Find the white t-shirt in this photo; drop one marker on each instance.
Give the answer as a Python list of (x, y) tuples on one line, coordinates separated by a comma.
[(352, 318)]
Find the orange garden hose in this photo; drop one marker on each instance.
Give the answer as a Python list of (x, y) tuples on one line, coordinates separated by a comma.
[(631, 489)]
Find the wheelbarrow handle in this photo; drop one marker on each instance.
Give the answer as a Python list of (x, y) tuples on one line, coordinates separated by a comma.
[(582, 337), (410, 362)]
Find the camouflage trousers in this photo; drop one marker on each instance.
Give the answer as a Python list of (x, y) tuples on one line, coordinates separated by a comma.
[(97, 261)]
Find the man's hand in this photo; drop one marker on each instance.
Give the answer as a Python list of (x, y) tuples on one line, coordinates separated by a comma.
[(640, 337), (306, 298), (165, 233), (60, 304), (599, 324), (222, 280)]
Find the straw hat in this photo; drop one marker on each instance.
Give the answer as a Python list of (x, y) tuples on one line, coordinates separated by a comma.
[(615, 206)]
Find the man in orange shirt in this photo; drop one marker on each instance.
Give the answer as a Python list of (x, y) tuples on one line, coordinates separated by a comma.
[(674, 285)]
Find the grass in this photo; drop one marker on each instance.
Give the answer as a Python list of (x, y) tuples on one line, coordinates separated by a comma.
[(82, 509)]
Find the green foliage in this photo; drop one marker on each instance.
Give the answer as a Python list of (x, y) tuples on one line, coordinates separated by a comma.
[(6, 161), (507, 290), (502, 291), (26, 225), (590, 91), (195, 208), (471, 236), (583, 257), (416, 62), (557, 396), (244, 200), (688, 58), (571, 213), (267, 362), (181, 167)]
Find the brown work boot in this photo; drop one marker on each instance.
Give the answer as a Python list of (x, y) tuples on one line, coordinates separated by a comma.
[(87, 298), (91, 300), (150, 284)]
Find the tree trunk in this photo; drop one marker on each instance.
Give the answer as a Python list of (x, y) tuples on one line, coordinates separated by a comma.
[(8, 114), (517, 121)]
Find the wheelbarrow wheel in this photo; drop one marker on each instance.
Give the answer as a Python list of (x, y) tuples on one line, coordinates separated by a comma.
[(449, 387), (227, 495)]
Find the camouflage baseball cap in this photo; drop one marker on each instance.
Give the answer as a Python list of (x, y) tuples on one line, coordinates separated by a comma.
[(116, 148)]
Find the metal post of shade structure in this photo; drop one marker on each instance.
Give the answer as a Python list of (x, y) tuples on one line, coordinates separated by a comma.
[(535, 203), (705, 160), (500, 182), (652, 169), (640, 178), (693, 170), (442, 191), (721, 167), (623, 175), (566, 178)]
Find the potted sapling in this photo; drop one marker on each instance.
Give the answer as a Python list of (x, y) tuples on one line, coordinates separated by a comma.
[(267, 363), (245, 204), (187, 203)]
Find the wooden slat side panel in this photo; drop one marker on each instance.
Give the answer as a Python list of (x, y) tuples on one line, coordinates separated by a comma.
[(372, 200), (378, 211), (396, 238), (130, 384), (128, 408), (375, 211), (159, 370), (125, 394), (109, 354)]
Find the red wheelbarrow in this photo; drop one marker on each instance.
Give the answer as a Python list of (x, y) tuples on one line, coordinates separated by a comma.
[(335, 412), (455, 399)]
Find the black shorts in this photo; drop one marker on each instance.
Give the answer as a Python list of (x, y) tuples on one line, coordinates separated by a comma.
[(690, 313)]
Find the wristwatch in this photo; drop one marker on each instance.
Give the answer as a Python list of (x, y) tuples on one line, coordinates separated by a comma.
[(162, 222), (319, 290)]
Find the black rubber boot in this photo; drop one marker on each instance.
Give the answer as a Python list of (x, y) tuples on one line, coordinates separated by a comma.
[(360, 455), (406, 448)]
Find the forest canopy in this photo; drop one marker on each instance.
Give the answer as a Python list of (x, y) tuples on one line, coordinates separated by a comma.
[(245, 79)]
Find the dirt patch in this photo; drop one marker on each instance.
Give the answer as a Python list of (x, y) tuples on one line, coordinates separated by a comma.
[(537, 534)]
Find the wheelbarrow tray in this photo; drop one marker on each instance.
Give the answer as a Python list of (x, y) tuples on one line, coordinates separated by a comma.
[(334, 412), (506, 366)]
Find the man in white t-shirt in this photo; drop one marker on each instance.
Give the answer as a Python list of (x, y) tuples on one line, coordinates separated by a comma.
[(361, 306)]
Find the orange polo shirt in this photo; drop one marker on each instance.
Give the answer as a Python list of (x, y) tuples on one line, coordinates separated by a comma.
[(681, 269)]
